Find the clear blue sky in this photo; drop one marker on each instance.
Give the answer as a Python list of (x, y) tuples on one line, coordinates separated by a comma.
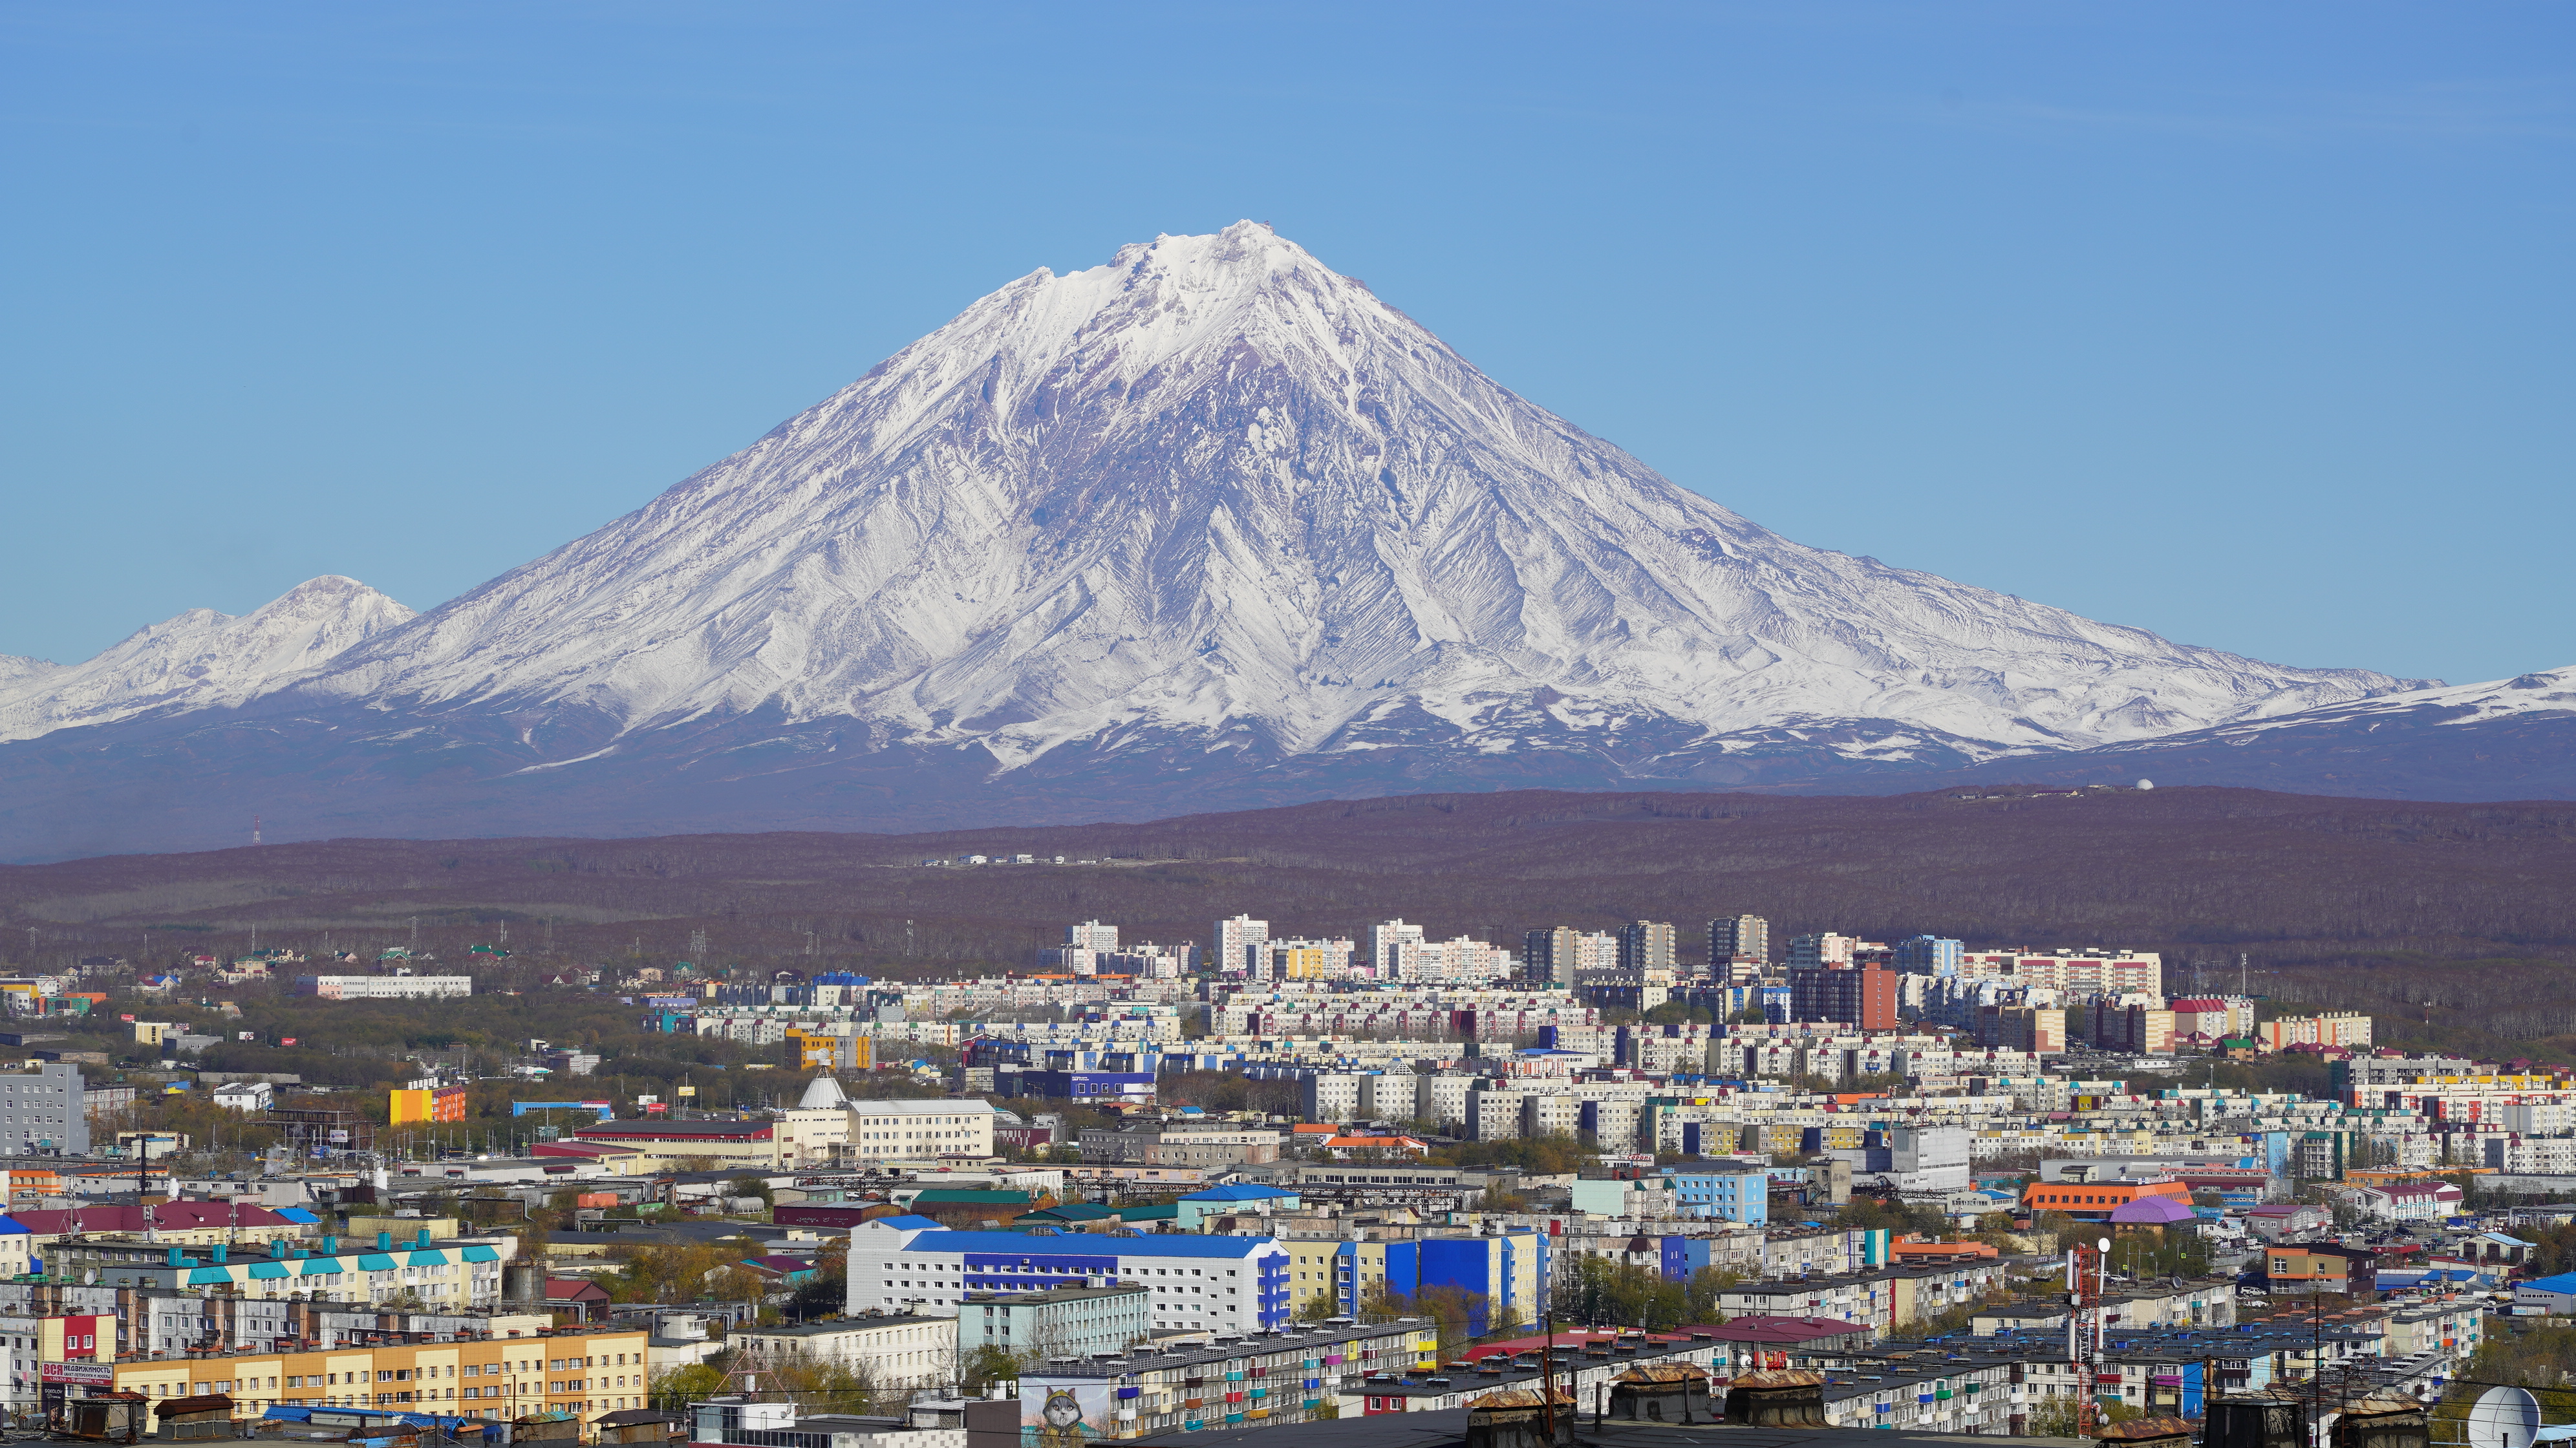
[(2248, 324)]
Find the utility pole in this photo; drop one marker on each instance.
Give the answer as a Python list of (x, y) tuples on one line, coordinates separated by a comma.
[(1546, 1374)]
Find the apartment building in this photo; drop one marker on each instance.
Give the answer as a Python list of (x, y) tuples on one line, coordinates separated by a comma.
[(1647, 945), (1929, 955), (44, 1112), (2077, 974), (1242, 946), (1735, 1194), (1559, 955), (1505, 1270), (1738, 939), (1858, 995), (901, 1351), (1060, 1322), (1218, 1284), (1294, 1376), (2345, 1029), (2035, 1030), (580, 1373), (1192, 1146), (460, 1273)]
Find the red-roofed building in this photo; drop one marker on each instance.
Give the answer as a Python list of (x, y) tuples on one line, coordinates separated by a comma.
[(728, 1144), (576, 1299), (2411, 1201), (1569, 1340), (178, 1223), (2095, 1201), (1765, 1341)]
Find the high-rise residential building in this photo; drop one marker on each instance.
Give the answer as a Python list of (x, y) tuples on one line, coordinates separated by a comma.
[(1555, 955), (2080, 974), (1241, 946), (1863, 996), (1737, 937), (2040, 1030), (1824, 948), (1091, 935), (1930, 955), (1393, 947), (1307, 959), (47, 1113), (1548, 955), (1646, 945)]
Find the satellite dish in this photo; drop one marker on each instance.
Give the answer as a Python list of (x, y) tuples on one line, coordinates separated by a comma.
[(2504, 1418), (2146, 784)]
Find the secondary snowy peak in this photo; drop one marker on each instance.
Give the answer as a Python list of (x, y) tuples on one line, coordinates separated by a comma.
[(2547, 692), (1212, 489), (199, 660), (16, 671)]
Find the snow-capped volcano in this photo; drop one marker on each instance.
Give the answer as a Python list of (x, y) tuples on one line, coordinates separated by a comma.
[(1214, 491), (199, 660), (1203, 528)]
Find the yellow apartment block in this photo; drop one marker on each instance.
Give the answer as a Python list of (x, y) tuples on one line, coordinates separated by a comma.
[(580, 1373)]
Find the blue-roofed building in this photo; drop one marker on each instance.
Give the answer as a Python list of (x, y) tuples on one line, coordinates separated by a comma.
[(1234, 1198), (1221, 1284), (2555, 1296)]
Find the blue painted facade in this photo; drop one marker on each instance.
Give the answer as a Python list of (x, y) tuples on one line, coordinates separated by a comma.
[(1085, 1085), (1226, 1283), (1721, 1196), (1930, 955)]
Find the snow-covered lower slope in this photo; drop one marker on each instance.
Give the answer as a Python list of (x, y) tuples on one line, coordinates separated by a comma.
[(1213, 495), (2548, 692), (199, 660)]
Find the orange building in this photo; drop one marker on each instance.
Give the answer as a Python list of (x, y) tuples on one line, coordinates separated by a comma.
[(438, 1103), (2096, 1201), (1925, 1254)]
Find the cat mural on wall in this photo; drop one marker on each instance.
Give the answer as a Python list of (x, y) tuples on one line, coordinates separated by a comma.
[(1061, 1417)]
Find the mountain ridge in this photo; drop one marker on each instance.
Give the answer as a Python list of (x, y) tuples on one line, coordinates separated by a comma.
[(1213, 485), (1209, 522), (198, 659)]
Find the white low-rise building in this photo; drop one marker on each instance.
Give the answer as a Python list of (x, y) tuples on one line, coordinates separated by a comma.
[(887, 1352), (920, 1130), (2411, 1201), (383, 987)]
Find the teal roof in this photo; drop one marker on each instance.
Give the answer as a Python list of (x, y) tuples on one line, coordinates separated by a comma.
[(427, 1258), (204, 1275), (316, 1266), (377, 1262), (268, 1269), (476, 1253)]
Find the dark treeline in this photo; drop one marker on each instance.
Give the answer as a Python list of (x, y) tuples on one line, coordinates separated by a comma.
[(2313, 890)]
